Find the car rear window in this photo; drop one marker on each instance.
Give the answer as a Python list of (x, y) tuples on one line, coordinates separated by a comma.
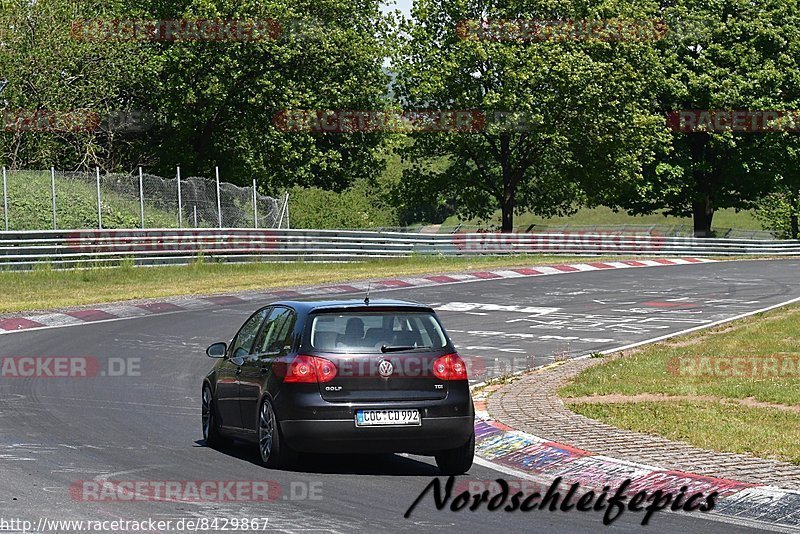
[(371, 331)]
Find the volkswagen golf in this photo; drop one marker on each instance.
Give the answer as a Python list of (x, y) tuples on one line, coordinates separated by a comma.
[(341, 377)]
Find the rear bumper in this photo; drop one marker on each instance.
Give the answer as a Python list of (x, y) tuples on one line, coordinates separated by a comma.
[(343, 436), (310, 424)]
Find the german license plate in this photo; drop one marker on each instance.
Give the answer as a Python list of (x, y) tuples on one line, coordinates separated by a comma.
[(387, 417)]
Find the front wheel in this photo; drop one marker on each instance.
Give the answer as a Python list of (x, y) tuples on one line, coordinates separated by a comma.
[(457, 461), (274, 452)]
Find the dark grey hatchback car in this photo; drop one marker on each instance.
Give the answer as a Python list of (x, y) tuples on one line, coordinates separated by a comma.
[(342, 377)]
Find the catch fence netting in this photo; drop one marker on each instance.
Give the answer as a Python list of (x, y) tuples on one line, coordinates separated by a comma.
[(41, 200)]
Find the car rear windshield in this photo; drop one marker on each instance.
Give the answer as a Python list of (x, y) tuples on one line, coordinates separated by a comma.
[(376, 332)]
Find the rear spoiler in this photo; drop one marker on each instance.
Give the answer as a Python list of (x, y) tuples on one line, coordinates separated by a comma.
[(373, 308)]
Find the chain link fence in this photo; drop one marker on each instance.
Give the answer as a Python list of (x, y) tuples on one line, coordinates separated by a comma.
[(51, 199)]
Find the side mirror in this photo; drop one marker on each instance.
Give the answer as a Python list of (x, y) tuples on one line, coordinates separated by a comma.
[(217, 350)]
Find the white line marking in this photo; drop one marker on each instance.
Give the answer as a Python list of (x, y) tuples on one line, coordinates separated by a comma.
[(694, 329)]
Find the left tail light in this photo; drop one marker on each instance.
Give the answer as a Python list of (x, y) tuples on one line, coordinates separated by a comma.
[(309, 370), (450, 367)]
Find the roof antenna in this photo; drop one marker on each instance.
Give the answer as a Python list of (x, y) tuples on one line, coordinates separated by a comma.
[(366, 299)]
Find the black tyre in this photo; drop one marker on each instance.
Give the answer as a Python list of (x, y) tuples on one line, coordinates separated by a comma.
[(271, 446), (457, 461), (211, 433)]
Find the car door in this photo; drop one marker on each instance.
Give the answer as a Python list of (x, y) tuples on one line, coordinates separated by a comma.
[(273, 342), (230, 369)]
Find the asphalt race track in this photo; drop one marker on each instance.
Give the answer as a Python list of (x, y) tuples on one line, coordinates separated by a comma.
[(56, 431)]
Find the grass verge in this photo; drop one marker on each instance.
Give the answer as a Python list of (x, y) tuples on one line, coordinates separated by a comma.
[(726, 363), (47, 289), (30, 202), (763, 432)]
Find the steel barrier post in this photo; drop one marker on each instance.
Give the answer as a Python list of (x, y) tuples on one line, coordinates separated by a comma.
[(180, 202), (255, 206), (219, 200), (99, 205), (53, 193), (5, 199), (141, 198)]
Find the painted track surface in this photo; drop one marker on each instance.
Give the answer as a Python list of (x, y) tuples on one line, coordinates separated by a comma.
[(57, 431)]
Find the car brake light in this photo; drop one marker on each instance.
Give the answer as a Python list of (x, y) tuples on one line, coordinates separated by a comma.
[(450, 367), (310, 370)]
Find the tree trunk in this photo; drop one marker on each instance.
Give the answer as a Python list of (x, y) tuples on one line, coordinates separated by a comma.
[(507, 207), (508, 201), (795, 210), (702, 209), (702, 215), (509, 185)]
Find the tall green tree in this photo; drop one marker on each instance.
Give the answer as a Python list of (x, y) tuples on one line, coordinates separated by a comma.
[(719, 55), (50, 71), (220, 99), (778, 88), (584, 101), (212, 101)]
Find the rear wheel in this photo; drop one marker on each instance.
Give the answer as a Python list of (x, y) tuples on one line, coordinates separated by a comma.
[(274, 452), (457, 461), (211, 434)]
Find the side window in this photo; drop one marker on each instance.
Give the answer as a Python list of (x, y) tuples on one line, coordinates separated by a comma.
[(243, 342), (277, 331)]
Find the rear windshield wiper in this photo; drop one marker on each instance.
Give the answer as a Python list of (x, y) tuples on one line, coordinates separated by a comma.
[(399, 348)]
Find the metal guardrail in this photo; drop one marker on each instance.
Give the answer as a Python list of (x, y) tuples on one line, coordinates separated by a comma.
[(671, 230), (90, 248)]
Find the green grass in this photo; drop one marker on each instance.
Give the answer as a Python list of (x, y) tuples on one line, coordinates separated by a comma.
[(45, 288), (761, 432), (602, 216), (30, 205), (648, 370), (766, 431)]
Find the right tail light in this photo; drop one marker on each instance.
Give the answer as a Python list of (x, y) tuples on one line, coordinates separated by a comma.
[(450, 367)]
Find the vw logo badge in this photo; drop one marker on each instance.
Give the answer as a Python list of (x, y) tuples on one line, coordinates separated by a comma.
[(385, 368)]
